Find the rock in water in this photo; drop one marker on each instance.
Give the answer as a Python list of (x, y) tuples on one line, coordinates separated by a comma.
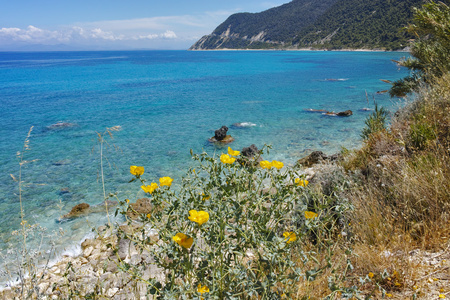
[(332, 113), (62, 162), (77, 210), (227, 139), (346, 113), (221, 133), (60, 125), (64, 191)]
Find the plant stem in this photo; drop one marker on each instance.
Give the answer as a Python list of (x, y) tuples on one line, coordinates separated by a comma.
[(103, 177)]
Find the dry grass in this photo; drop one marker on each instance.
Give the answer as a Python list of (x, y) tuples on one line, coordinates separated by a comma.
[(399, 186)]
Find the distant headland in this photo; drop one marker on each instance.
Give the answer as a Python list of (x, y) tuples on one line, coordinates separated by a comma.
[(311, 25)]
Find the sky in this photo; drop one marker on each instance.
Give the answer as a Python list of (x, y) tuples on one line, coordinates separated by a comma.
[(27, 25)]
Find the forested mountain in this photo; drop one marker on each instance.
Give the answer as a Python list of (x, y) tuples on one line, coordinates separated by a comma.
[(320, 24)]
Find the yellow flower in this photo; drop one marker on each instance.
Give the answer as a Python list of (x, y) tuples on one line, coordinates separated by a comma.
[(310, 215), (136, 171), (128, 200), (277, 164), (265, 164), (389, 295), (301, 182), (202, 289), (205, 197), (442, 296), (233, 152), (289, 236), (183, 240), (199, 217), (148, 216), (226, 159), (165, 181), (150, 188), (371, 275)]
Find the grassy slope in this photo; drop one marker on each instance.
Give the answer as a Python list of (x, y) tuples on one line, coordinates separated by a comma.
[(402, 195)]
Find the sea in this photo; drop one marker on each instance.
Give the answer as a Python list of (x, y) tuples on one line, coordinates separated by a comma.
[(162, 104)]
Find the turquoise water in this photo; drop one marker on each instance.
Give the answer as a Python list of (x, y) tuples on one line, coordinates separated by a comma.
[(166, 102)]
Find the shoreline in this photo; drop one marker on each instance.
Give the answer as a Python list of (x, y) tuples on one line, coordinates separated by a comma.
[(304, 50)]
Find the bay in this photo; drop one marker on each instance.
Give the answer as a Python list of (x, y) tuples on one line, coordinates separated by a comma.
[(166, 103)]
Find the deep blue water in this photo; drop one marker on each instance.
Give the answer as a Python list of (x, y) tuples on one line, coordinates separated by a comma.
[(166, 102)]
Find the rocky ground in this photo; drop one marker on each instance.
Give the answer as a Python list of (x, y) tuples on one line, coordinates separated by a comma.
[(101, 273), (432, 274), (96, 272)]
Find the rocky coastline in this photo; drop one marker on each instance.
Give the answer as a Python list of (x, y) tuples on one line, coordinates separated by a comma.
[(100, 268)]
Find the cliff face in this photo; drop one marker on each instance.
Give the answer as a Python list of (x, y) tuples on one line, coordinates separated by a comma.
[(330, 24)]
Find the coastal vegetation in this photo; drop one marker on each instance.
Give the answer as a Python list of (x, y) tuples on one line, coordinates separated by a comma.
[(374, 224), (431, 50), (331, 24)]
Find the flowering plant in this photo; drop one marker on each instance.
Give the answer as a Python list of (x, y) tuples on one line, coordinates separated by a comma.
[(230, 230)]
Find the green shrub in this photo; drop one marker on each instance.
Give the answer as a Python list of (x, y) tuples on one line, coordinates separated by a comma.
[(421, 134), (375, 122), (234, 230)]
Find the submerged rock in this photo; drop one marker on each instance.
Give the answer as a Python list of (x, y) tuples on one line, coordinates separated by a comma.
[(62, 162), (64, 191), (61, 125), (346, 113), (228, 139), (83, 209), (77, 210)]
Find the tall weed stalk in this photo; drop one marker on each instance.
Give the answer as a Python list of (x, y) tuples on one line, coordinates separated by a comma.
[(24, 267)]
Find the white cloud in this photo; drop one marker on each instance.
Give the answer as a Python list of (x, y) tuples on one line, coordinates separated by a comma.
[(169, 34), (97, 33), (146, 37), (166, 35), (36, 35), (183, 30), (29, 34)]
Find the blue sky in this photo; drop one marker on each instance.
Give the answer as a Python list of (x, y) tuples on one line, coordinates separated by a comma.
[(114, 24)]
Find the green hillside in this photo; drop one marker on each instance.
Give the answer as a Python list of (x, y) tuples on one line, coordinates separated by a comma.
[(360, 24), (325, 24)]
